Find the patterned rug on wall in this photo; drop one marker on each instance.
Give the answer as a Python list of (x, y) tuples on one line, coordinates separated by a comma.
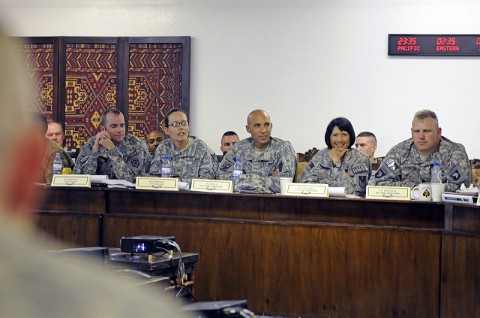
[(39, 65), (90, 89), (154, 85)]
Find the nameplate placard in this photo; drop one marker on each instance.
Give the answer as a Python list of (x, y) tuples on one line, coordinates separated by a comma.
[(206, 185), (388, 193), (151, 183), (71, 180), (308, 189)]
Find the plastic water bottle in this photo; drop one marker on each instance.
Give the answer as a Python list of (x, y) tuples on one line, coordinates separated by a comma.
[(57, 164), (436, 173), (166, 167), (237, 172)]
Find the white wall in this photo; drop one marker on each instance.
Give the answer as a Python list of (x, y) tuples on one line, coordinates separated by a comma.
[(304, 61)]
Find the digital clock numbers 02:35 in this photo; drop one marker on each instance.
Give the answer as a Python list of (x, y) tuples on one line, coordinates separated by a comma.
[(434, 44)]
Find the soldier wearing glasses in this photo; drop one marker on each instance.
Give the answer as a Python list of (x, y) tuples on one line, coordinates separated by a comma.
[(190, 157)]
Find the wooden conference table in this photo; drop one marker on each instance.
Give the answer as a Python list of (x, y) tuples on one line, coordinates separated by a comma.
[(296, 256)]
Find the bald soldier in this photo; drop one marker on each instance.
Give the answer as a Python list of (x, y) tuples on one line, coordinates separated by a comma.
[(265, 158)]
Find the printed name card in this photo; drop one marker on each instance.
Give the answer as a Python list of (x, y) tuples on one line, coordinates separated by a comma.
[(71, 180), (206, 185), (308, 189), (388, 193), (162, 184)]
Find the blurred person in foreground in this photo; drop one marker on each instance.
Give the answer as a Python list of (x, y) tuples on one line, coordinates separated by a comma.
[(339, 165), (32, 282)]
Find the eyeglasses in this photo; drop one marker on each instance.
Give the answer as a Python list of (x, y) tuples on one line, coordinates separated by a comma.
[(178, 124)]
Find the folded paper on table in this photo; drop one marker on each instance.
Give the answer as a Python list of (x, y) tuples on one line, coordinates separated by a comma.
[(118, 183), (308, 189), (388, 193), (98, 178), (183, 185), (154, 183), (111, 183), (71, 180), (336, 191), (207, 185)]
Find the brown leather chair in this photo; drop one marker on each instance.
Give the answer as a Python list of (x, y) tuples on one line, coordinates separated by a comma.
[(303, 160)]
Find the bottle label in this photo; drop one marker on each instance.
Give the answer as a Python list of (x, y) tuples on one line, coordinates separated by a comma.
[(57, 168), (237, 173), (166, 171)]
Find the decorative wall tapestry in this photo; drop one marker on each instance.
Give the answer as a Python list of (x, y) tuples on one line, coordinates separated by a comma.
[(154, 85), (39, 59), (76, 79), (90, 88)]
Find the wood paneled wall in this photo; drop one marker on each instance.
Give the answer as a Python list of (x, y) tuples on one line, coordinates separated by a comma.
[(297, 256)]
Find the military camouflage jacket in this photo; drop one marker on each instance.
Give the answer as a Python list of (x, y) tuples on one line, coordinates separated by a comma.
[(126, 161), (403, 166), (353, 174), (257, 171), (197, 161)]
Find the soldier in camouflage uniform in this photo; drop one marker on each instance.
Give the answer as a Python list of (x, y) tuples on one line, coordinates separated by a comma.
[(408, 163), (113, 152), (265, 159), (45, 174), (339, 165), (190, 157)]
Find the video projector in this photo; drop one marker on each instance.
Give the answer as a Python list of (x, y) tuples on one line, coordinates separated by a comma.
[(146, 244)]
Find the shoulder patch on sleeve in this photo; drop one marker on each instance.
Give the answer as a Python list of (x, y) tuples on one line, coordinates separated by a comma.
[(457, 175), (225, 166), (380, 173), (310, 166), (361, 168), (135, 162), (391, 165)]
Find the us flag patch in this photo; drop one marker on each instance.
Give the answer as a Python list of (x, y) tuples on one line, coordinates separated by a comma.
[(310, 166)]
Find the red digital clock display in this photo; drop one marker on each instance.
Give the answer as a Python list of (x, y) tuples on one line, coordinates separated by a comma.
[(434, 45)]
